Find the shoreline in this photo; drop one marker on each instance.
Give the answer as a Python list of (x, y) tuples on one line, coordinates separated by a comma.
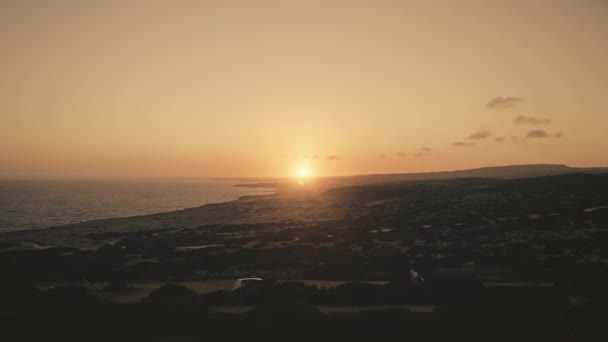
[(321, 184), (270, 191), (246, 210)]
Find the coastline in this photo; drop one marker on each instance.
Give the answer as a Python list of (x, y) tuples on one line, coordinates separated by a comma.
[(311, 203), (52, 236), (16, 230)]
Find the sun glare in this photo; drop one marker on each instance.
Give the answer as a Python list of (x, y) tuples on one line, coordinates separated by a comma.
[(303, 172)]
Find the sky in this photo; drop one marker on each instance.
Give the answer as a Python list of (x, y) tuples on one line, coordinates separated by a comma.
[(264, 88)]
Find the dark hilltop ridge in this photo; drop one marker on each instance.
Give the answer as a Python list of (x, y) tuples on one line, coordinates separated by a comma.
[(506, 253), (502, 172), (509, 171)]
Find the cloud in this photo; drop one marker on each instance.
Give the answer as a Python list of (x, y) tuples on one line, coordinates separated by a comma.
[(315, 156), (423, 151), (504, 102), (524, 120), (479, 135), (539, 133), (417, 152), (507, 139), (332, 157), (463, 144)]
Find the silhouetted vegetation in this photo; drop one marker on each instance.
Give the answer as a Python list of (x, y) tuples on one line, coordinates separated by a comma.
[(69, 313)]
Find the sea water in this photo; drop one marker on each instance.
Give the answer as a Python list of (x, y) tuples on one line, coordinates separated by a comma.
[(29, 204)]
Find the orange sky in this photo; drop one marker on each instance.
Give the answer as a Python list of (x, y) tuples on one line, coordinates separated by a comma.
[(262, 88)]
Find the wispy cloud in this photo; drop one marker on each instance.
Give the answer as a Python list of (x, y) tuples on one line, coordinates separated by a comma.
[(507, 139), (479, 135), (463, 144), (530, 120), (539, 133), (317, 157), (504, 102), (401, 154), (423, 151)]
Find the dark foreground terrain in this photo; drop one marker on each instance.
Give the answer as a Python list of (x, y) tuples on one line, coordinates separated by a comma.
[(289, 311), (503, 259)]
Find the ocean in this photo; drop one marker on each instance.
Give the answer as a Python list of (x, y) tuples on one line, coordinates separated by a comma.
[(29, 204)]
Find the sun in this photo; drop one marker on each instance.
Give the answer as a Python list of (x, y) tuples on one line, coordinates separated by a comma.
[(303, 172)]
